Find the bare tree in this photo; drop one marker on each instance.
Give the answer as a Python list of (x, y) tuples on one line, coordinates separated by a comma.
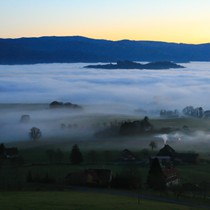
[(153, 145), (35, 133)]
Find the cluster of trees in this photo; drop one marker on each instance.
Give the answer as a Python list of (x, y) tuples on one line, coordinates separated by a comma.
[(69, 126), (57, 155), (136, 127), (76, 157), (57, 104), (190, 111), (193, 112), (169, 113), (128, 178)]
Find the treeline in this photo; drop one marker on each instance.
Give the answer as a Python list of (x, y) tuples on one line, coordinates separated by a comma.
[(58, 104), (190, 111)]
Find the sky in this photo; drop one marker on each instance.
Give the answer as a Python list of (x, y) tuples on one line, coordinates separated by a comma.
[(182, 21)]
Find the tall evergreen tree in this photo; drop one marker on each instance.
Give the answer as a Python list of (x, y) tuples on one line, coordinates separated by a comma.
[(76, 156), (156, 178)]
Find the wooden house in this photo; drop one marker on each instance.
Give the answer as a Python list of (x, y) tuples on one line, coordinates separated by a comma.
[(161, 177), (167, 151), (11, 153), (127, 155), (176, 157), (171, 176)]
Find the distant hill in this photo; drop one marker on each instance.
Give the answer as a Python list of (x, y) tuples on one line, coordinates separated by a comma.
[(82, 49), (135, 65)]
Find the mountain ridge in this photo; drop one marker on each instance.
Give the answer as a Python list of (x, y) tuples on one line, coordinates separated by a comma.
[(73, 49)]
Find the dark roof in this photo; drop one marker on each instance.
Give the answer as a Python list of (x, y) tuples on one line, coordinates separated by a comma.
[(127, 155), (167, 151), (185, 157)]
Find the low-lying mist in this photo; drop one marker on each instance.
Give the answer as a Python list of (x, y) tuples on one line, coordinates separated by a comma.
[(64, 125), (195, 141), (107, 96), (150, 89), (58, 123)]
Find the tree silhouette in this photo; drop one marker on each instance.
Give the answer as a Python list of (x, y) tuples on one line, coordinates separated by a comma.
[(153, 145), (35, 133), (156, 178), (50, 153), (76, 156), (2, 150)]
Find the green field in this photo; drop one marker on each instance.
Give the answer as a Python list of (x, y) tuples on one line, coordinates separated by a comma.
[(79, 201), (98, 152)]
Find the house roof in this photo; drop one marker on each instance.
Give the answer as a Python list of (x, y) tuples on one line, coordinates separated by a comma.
[(127, 155), (167, 151)]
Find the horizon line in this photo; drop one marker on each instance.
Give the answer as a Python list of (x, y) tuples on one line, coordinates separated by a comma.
[(102, 39)]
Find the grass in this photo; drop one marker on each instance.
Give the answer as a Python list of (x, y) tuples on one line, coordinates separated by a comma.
[(194, 173), (35, 152), (189, 173), (78, 201), (192, 123)]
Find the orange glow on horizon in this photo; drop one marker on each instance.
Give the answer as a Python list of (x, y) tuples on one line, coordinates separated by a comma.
[(160, 20)]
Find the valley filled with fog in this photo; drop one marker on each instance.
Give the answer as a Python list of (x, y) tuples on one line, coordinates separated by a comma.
[(106, 96), (43, 83)]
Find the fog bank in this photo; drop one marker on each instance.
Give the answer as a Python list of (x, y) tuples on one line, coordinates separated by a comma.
[(43, 83)]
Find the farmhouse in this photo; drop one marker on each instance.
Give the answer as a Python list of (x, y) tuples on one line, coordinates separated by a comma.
[(171, 176), (127, 155), (161, 176), (167, 151), (162, 173), (9, 155)]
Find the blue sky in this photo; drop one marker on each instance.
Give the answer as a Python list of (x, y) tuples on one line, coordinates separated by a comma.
[(164, 20)]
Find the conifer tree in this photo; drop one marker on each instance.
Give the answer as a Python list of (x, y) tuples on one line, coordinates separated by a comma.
[(76, 156)]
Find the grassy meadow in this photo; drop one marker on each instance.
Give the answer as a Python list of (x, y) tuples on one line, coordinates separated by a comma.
[(79, 201), (98, 152)]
